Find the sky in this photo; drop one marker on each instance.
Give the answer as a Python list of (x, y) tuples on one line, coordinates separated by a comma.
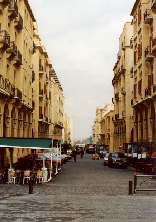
[(82, 41)]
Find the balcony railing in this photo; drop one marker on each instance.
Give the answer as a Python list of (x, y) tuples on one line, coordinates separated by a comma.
[(5, 39), (13, 9), (18, 94), (147, 92), (148, 54), (19, 22), (12, 50), (18, 58), (148, 18), (7, 86)]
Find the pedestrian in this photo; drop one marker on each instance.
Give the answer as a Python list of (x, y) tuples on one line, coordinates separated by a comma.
[(74, 154), (82, 153)]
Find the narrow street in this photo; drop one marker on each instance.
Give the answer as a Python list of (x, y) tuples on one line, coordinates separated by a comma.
[(82, 191)]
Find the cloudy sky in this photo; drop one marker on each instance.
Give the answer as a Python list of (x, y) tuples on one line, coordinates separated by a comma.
[(82, 41)]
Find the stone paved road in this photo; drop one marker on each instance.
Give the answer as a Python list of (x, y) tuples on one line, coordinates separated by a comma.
[(82, 191)]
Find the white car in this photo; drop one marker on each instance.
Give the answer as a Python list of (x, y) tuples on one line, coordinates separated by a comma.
[(105, 159)]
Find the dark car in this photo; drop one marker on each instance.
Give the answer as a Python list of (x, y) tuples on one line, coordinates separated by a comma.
[(117, 159)]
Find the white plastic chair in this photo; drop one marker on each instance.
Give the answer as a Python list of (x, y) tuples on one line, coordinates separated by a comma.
[(13, 176), (39, 176), (26, 176)]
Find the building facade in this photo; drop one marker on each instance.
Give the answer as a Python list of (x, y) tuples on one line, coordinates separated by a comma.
[(31, 96), (144, 69), (122, 83)]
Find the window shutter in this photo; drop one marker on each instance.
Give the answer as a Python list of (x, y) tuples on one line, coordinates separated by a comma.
[(139, 16), (40, 109), (139, 50), (134, 57), (49, 95), (50, 75)]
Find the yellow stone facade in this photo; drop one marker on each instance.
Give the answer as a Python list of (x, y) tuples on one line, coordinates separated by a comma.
[(31, 96), (122, 83), (144, 69)]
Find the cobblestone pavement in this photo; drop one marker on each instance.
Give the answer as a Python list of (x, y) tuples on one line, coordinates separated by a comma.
[(82, 191)]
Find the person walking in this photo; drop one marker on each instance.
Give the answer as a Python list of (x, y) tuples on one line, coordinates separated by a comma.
[(82, 153), (74, 155)]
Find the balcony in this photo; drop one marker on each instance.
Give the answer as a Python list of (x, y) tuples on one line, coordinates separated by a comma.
[(18, 94), (148, 18), (12, 51), (131, 72), (33, 76), (13, 9), (19, 22), (6, 88), (153, 6), (122, 69), (154, 47), (4, 39), (148, 54), (147, 92), (41, 70), (18, 58), (117, 96), (123, 91)]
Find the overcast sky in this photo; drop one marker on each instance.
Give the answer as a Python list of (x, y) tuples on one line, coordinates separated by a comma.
[(82, 41)]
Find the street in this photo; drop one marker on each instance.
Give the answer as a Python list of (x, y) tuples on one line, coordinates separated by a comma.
[(82, 191)]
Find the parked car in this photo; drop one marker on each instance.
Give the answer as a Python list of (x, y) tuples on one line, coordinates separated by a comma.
[(117, 159), (105, 159)]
